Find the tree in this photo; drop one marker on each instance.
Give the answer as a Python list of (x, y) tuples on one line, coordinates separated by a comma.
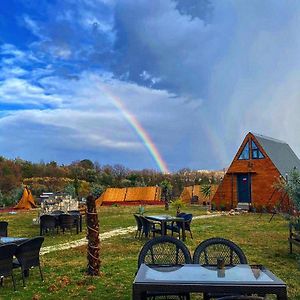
[(206, 191), (166, 191), (93, 249)]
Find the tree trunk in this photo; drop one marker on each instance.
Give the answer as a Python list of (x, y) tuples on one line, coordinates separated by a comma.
[(93, 248)]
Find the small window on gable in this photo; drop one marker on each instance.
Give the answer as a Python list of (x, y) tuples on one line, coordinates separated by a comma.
[(256, 153), (246, 152)]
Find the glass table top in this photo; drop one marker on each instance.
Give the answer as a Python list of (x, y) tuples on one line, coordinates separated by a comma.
[(6, 240), (192, 273), (163, 217)]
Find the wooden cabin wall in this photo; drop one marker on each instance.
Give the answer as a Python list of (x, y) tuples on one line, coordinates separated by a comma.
[(264, 175)]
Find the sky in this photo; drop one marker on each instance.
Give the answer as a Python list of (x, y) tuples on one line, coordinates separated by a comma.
[(164, 84)]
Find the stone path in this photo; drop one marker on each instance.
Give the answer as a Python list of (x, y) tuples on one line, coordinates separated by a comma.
[(104, 236)]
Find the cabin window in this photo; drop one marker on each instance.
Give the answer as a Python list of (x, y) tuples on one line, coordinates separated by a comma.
[(246, 152), (256, 153)]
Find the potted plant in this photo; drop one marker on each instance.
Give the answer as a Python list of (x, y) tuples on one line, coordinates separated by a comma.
[(178, 204)]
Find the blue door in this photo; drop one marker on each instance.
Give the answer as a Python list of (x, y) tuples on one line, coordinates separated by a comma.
[(244, 188)]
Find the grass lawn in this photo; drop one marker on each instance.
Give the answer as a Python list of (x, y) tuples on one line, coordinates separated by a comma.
[(64, 271)]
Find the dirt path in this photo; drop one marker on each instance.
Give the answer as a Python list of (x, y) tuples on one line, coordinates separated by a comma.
[(104, 236)]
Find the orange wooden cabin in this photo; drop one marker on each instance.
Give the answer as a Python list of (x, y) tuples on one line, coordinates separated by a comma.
[(258, 165), (130, 196), (193, 194)]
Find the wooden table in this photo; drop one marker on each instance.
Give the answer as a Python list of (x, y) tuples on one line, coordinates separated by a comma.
[(164, 219), (189, 278)]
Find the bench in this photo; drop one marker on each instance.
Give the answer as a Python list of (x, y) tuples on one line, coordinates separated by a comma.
[(294, 238)]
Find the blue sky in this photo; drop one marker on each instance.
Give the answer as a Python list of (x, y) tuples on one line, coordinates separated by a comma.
[(197, 75)]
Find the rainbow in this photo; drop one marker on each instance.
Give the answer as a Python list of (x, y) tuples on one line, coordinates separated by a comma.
[(141, 132)]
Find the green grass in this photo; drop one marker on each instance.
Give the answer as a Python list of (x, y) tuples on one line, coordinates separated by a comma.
[(263, 243)]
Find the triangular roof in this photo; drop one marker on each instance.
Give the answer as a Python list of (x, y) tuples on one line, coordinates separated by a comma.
[(280, 153), (26, 201)]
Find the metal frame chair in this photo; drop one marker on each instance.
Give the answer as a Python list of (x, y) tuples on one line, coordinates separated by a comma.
[(149, 226), (6, 262), (67, 221), (165, 251), (139, 226), (28, 256), (48, 222), (208, 251), (178, 226), (3, 228)]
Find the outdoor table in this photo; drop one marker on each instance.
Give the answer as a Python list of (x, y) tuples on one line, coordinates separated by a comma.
[(13, 240), (164, 219), (189, 278)]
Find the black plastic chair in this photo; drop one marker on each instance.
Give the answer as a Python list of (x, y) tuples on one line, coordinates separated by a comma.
[(6, 262), (139, 226), (209, 251), (3, 228), (177, 226), (67, 221), (165, 251), (149, 226), (28, 256), (48, 223)]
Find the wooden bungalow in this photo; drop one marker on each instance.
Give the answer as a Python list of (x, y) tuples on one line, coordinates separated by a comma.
[(194, 195), (130, 196), (251, 179)]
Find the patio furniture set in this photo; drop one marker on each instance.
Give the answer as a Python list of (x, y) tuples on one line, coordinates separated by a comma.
[(60, 220), (160, 224), (21, 253), (218, 269)]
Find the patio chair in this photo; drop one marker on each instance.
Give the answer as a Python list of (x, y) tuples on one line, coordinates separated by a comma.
[(67, 221), (149, 226), (208, 252), (3, 228), (165, 251), (177, 226), (57, 212), (28, 256), (48, 223), (139, 226), (6, 262)]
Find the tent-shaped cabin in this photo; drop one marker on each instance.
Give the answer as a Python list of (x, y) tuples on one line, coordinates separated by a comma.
[(130, 195), (256, 168), (26, 201)]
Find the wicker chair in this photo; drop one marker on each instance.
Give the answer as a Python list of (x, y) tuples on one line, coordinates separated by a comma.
[(67, 221), (3, 228), (139, 225), (6, 262), (149, 226), (208, 251), (28, 256), (165, 251), (48, 223), (177, 226)]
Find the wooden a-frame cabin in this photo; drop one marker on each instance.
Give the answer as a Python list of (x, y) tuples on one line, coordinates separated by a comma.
[(258, 164)]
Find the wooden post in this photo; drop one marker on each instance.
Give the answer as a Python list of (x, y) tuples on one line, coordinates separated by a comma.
[(93, 247)]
